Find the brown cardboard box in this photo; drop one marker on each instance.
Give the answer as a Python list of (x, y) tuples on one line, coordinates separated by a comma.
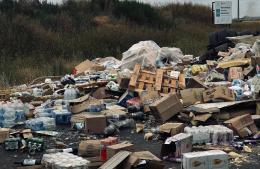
[(4, 134), (89, 148), (88, 65), (95, 124), (218, 93), (113, 149), (195, 82), (80, 104), (166, 107), (243, 125), (153, 161), (176, 145), (192, 96), (117, 161), (172, 128), (235, 73)]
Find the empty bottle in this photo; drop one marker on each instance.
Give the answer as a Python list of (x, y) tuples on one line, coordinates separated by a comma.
[(137, 116), (125, 123), (67, 150), (29, 162), (110, 130), (133, 109)]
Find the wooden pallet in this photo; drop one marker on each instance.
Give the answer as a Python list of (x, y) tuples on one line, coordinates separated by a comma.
[(159, 80)]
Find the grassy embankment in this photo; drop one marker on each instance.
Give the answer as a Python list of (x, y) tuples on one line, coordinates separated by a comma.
[(39, 39)]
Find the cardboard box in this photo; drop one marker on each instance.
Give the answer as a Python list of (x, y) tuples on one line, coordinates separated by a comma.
[(89, 148), (176, 145), (95, 124), (153, 162), (192, 96), (113, 149), (235, 73), (171, 129), (88, 65), (213, 159), (166, 107), (4, 134), (117, 161), (243, 125), (81, 104), (218, 93)]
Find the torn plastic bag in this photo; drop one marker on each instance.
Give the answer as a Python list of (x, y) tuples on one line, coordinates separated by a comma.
[(167, 56), (144, 53)]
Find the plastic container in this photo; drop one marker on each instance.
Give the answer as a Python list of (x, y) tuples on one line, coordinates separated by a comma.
[(70, 94), (215, 134), (62, 117), (20, 116), (34, 124)]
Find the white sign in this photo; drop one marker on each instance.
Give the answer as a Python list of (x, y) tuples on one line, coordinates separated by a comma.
[(223, 12)]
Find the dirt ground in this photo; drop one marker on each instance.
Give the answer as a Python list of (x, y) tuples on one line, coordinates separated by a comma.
[(7, 158)]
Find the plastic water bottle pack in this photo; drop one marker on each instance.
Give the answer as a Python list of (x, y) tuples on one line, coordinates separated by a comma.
[(215, 134), (41, 123), (64, 161)]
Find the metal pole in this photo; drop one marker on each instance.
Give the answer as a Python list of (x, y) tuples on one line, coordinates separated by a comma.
[(238, 8)]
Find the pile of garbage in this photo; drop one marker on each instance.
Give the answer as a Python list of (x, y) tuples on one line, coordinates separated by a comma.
[(201, 114)]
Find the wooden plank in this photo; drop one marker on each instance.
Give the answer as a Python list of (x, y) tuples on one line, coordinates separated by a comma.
[(182, 81), (149, 87), (113, 162), (159, 78), (173, 83), (165, 90), (148, 72), (134, 77), (141, 85), (151, 79)]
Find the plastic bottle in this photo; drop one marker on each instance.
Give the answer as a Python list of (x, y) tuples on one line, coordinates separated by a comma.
[(68, 150), (258, 70), (103, 151), (137, 115), (125, 123), (29, 162), (70, 94), (110, 130), (133, 109)]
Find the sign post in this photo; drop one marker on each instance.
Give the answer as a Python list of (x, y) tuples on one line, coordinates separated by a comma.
[(222, 12)]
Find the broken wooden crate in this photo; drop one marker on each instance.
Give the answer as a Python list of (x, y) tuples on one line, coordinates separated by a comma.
[(159, 81)]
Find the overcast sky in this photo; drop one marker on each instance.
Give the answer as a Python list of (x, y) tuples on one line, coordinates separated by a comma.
[(247, 7)]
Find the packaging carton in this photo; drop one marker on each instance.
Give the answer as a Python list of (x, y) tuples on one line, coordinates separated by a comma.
[(89, 148), (113, 149), (171, 129), (214, 159), (4, 134), (95, 124), (80, 104), (176, 145), (218, 93), (243, 125), (152, 162), (166, 107), (192, 96), (117, 161), (87, 65)]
